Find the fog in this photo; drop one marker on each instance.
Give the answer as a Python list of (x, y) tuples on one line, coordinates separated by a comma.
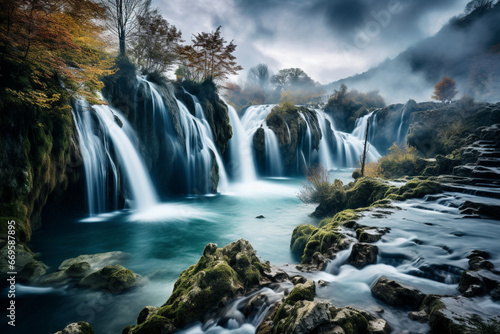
[(329, 39)]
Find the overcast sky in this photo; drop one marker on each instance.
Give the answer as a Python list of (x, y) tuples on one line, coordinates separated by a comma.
[(328, 39)]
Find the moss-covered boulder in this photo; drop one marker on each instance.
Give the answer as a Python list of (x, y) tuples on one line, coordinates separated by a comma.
[(366, 191), (220, 275), (300, 236), (28, 268), (114, 278), (81, 327), (321, 317)]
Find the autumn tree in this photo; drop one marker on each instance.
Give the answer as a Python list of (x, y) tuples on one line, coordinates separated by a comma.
[(48, 42), (445, 90), (209, 57), (155, 44), (294, 85), (122, 18)]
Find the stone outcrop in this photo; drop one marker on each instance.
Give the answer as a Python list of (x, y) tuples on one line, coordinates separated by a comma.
[(396, 294)]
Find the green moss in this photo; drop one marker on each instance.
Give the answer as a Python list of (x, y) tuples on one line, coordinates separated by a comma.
[(155, 325), (352, 321), (419, 188), (300, 236), (306, 291), (85, 328), (122, 279), (321, 241), (22, 229), (366, 191), (345, 215)]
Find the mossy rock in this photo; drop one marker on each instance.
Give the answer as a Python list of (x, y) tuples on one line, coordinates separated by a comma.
[(300, 236), (81, 327), (417, 188), (221, 274), (302, 291), (366, 191), (321, 241), (32, 271), (115, 278), (154, 324)]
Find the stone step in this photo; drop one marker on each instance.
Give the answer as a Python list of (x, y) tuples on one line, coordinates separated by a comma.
[(489, 162)]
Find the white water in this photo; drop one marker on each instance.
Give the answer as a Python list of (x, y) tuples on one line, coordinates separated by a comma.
[(199, 145), (255, 118), (107, 147), (242, 163)]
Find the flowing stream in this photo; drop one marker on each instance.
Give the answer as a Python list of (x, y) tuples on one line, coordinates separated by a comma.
[(426, 248)]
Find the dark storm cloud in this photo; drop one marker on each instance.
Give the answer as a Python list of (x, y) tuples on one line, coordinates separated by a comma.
[(309, 34)]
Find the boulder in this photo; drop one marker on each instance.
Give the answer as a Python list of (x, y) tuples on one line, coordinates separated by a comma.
[(370, 234), (146, 314), (363, 254), (220, 275), (78, 270), (94, 260), (114, 278), (396, 294), (77, 328), (459, 315)]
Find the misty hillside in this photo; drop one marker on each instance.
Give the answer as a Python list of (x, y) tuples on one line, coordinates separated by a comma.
[(467, 49)]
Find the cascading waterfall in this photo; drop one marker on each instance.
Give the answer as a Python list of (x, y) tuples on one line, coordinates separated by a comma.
[(199, 148), (243, 167), (106, 148), (402, 132), (361, 124), (348, 147), (255, 118)]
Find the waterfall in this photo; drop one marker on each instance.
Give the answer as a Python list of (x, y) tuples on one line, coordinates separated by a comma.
[(242, 164), (106, 142), (252, 120), (198, 150), (402, 132), (274, 165), (347, 147)]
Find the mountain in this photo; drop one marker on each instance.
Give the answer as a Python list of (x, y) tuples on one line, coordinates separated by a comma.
[(467, 49)]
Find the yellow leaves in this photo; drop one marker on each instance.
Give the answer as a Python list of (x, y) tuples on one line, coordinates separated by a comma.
[(36, 98)]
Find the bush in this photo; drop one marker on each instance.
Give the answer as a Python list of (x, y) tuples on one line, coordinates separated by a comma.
[(319, 189), (399, 162)]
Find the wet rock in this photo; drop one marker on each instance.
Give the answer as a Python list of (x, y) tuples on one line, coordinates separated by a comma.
[(77, 328), (378, 326), (260, 217), (146, 314), (32, 271), (420, 316), (78, 270), (459, 315), (477, 283), (114, 278), (363, 254), (322, 283), (29, 270), (94, 260), (298, 280), (370, 234), (303, 291), (220, 275), (396, 294)]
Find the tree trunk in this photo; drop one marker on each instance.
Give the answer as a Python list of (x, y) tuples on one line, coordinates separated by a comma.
[(364, 150), (122, 44)]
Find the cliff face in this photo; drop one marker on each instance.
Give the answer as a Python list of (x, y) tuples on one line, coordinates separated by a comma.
[(151, 105), (38, 156)]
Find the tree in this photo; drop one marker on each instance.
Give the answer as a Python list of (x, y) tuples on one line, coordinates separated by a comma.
[(259, 76), (294, 78), (48, 42), (478, 5), (155, 44), (209, 57), (445, 90), (122, 18)]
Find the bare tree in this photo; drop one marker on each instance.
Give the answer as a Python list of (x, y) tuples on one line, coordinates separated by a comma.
[(259, 76), (122, 18)]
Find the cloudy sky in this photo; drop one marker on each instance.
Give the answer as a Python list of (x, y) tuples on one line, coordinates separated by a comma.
[(328, 39)]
